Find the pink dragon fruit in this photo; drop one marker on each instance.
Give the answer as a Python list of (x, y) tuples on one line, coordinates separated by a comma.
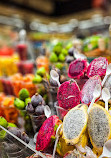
[(77, 68), (68, 94), (86, 93), (97, 67), (47, 132)]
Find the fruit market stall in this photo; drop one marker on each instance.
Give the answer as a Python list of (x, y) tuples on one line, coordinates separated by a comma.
[(59, 103)]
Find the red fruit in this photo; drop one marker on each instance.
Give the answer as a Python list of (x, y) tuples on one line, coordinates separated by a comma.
[(88, 89), (46, 131), (97, 67), (77, 68), (68, 95)]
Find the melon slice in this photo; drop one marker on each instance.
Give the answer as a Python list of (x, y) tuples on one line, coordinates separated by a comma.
[(97, 67), (99, 127), (86, 93), (77, 68), (46, 132), (68, 95), (75, 124)]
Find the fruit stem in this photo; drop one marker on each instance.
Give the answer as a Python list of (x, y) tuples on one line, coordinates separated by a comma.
[(36, 94)]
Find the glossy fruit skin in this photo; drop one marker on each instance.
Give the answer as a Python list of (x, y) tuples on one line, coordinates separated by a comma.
[(39, 110), (36, 100), (46, 132), (30, 108), (97, 67)]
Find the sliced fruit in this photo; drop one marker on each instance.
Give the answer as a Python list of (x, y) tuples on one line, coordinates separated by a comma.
[(73, 154), (77, 68), (75, 124), (97, 67), (68, 94), (88, 89), (23, 94), (99, 127), (46, 132)]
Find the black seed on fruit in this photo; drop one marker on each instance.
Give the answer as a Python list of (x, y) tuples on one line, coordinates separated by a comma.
[(30, 108)]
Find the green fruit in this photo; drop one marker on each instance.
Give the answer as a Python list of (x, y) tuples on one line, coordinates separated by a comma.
[(11, 125), (37, 79), (59, 66), (64, 52), (3, 122), (27, 100), (2, 134), (23, 94), (41, 71), (53, 58), (57, 49), (19, 104), (69, 45), (61, 57)]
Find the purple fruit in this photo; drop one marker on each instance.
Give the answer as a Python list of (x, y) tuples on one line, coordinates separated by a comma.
[(39, 110), (70, 52), (36, 100), (25, 138), (69, 59), (14, 131), (30, 108)]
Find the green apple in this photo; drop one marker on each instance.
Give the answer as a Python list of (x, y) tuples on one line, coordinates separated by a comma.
[(19, 104), (37, 79)]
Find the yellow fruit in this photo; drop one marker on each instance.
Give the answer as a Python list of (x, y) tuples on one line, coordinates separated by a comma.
[(75, 124), (83, 140), (99, 127), (62, 147)]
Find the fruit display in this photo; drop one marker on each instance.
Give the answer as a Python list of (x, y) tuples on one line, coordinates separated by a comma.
[(19, 81), (35, 108), (53, 99)]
